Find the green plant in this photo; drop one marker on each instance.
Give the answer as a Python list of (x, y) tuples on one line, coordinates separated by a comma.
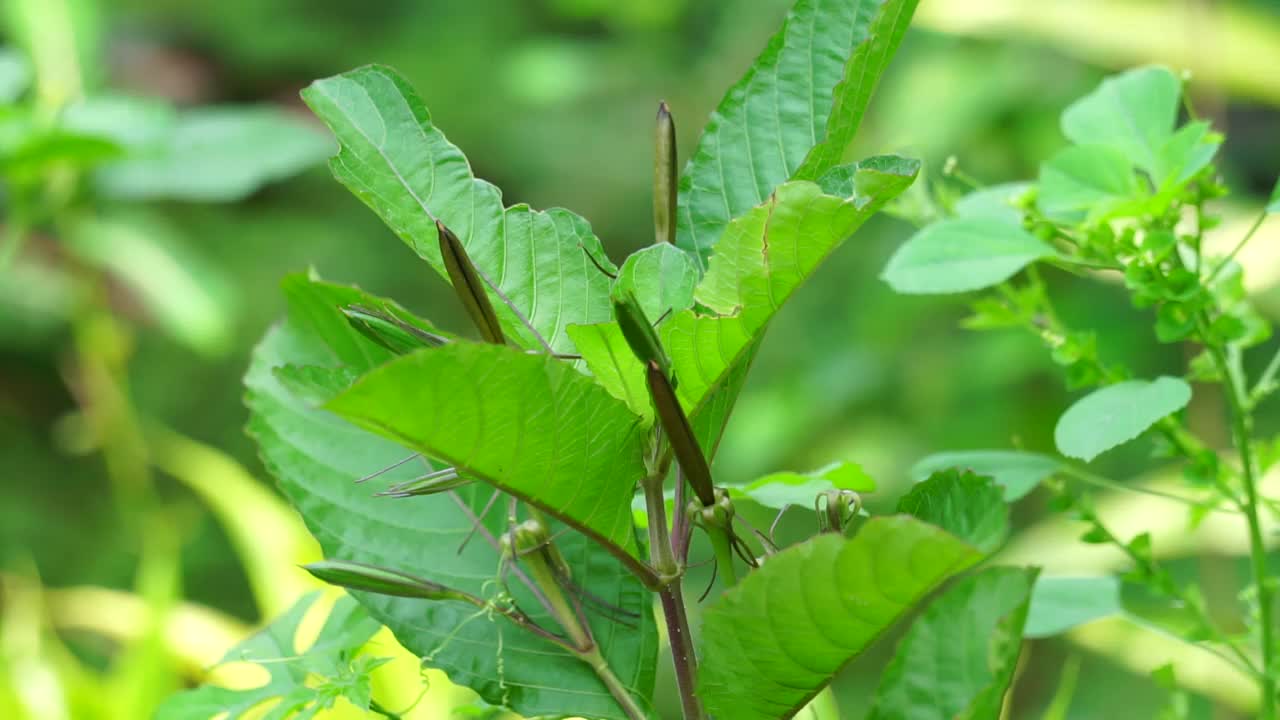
[(480, 498), (1127, 202)]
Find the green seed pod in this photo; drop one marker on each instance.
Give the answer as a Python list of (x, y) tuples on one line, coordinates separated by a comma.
[(680, 434), (467, 284), (374, 579), (720, 513), (531, 541), (390, 332), (639, 334), (429, 484), (835, 508), (665, 177)]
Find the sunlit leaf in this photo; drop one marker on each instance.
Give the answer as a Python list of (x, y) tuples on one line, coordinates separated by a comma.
[(1017, 472), (775, 639), (962, 254), (958, 657), (792, 115), (1116, 414)]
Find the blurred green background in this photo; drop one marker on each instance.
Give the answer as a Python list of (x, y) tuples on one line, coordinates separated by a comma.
[(552, 100)]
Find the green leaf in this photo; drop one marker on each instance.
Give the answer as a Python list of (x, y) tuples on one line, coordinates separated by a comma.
[(957, 659), (394, 159), (1133, 112), (764, 256), (1116, 414), (317, 457), (1017, 472), (968, 506), (778, 490), (792, 115), (1186, 153), (183, 292), (1086, 181), (962, 254), (1061, 603), (301, 683), (661, 277), (528, 424), (775, 640), (1273, 205), (217, 154)]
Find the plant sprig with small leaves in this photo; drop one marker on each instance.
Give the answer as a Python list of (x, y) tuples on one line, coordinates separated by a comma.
[(1128, 201)]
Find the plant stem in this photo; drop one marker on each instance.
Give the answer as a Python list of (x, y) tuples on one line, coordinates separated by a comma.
[(1262, 216), (686, 664), (720, 544), (663, 557), (611, 681), (1241, 432)]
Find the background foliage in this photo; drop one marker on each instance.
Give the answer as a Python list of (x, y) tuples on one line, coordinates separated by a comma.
[(850, 370)]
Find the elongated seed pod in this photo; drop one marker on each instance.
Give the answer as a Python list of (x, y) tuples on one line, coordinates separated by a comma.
[(380, 580), (389, 331), (665, 177), (467, 284), (636, 330), (429, 484), (680, 434)]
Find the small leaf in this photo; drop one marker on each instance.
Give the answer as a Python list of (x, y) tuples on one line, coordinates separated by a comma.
[(1116, 414), (966, 505), (1133, 112), (962, 254), (774, 640), (1186, 153), (662, 277), (781, 489), (1061, 603), (1017, 472), (957, 659), (1086, 181)]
